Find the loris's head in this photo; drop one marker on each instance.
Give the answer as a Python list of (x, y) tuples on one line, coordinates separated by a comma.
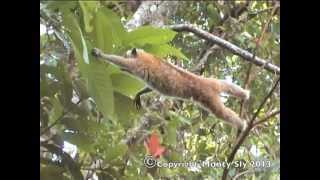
[(134, 53), (141, 55), (142, 63)]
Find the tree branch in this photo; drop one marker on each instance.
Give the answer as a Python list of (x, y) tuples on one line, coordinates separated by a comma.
[(266, 118), (245, 133), (66, 159), (225, 44), (199, 67), (211, 47)]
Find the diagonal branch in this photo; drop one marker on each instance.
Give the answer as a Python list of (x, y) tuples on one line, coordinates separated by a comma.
[(245, 133), (225, 44), (211, 47)]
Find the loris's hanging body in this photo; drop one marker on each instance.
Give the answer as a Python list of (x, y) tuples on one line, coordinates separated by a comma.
[(174, 81)]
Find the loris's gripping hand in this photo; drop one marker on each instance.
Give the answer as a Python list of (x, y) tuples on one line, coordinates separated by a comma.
[(96, 52), (137, 101)]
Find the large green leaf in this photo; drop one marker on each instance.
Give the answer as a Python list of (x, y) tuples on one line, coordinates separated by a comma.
[(57, 109), (170, 137), (149, 35), (96, 73), (164, 50), (125, 110), (64, 7), (108, 32), (88, 9), (126, 84), (81, 140), (100, 88)]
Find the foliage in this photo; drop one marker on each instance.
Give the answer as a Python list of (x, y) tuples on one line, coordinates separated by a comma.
[(90, 104)]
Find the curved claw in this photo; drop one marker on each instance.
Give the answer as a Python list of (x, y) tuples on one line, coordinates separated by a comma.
[(137, 102)]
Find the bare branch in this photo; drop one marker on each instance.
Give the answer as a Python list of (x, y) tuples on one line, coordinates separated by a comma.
[(225, 44), (263, 102), (206, 52), (245, 133), (204, 59)]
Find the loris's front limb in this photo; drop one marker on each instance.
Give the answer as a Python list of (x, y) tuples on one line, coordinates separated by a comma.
[(137, 100)]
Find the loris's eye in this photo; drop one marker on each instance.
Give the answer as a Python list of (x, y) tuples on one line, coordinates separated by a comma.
[(134, 52)]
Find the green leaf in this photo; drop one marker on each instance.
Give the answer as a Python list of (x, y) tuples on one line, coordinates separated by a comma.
[(175, 116), (175, 156), (57, 109), (149, 35), (66, 86), (108, 32), (214, 15), (64, 7), (44, 87), (81, 89), (43, 41), (124, 110), (84, 50), (126, 84), (170, 137), (78, 124), (117, 151), (96, 73), (74, 32), (82, 141), (100, 88), (164, 50), (88, 9)]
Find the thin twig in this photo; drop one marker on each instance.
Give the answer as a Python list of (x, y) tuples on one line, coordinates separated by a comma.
[(245, 133), (264, 101), (54, 123), (266, 118)]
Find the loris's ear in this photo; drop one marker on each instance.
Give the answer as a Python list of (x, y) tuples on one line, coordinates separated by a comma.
[(134, 52)]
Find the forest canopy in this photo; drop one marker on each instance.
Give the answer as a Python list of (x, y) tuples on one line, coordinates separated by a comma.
[(90, 127)]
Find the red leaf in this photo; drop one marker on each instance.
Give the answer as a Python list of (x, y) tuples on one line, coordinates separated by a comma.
[(153, 145)]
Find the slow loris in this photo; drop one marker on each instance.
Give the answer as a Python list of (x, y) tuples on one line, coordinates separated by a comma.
[(171, 80)]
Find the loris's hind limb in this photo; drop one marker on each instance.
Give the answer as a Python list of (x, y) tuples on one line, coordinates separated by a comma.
[(137, 101)]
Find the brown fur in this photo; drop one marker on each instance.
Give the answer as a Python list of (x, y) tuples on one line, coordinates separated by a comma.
[(174, 81)]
